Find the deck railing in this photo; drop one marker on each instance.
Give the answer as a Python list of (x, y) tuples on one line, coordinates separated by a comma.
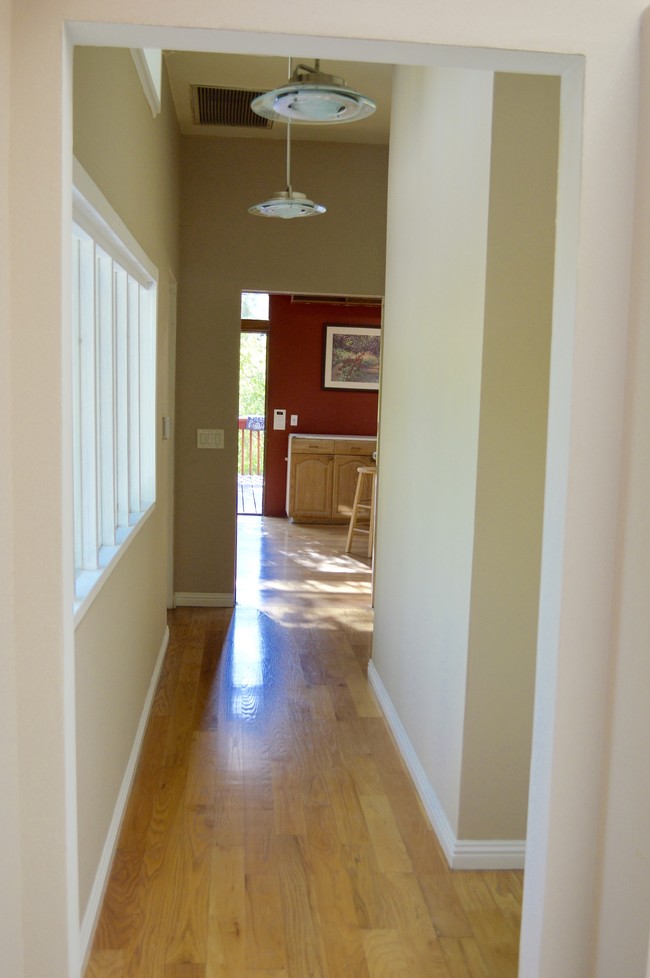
[(251, 445)]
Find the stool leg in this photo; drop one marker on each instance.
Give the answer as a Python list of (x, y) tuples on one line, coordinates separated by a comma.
[(371, 528), (353, 516)]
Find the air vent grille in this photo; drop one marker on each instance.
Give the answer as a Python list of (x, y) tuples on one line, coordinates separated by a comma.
[(225, 107), (338, 300)]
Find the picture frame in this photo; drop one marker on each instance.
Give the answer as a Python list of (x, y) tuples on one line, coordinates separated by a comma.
[(351, 357)]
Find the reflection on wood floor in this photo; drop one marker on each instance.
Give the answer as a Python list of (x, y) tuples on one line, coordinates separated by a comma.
[(273, 831)]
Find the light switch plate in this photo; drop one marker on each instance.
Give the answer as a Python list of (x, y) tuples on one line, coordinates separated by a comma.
[(209, 437), (294, 420)]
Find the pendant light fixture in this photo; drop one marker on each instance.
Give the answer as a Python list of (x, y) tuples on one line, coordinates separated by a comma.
[(287, 203), (315, 98)]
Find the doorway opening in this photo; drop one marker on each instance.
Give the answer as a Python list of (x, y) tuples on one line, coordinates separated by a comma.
[(251, 440)]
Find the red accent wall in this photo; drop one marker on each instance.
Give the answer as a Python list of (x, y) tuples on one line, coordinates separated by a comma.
[(295, 355)]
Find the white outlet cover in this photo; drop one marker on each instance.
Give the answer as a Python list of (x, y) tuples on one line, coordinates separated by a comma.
[(209, 437)]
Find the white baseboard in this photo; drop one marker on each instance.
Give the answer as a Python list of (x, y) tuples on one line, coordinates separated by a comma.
[(101, 876), (199, 599), (460, 853)]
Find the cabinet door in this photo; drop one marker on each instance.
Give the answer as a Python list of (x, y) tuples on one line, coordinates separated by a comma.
[(310, 496), (345, 482)]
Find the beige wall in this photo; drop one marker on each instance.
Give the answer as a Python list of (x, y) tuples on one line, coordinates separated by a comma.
[(626, 868), (11, 891), (134, 160), (225, 250), (583, 590), (436, 262), (476, 204), (511, 456)]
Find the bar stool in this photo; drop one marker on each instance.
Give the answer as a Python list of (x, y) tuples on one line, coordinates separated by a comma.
[(363, 492)]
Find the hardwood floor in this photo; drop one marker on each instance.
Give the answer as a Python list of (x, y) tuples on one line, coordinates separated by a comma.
[(273, 831)]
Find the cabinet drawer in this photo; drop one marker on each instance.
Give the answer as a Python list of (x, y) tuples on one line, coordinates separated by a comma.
[(351, 447), (312, 446)]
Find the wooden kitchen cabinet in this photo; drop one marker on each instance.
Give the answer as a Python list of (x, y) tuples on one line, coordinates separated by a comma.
[(322, 476)]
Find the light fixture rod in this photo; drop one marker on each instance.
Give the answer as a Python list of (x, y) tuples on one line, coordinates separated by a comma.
[(289, 156), (289, 138)]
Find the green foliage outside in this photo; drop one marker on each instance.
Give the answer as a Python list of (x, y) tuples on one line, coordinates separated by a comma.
[(252, 392), (252, 374)]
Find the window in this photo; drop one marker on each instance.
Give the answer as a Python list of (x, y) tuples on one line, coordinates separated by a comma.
[(114, 385), (255, 305)]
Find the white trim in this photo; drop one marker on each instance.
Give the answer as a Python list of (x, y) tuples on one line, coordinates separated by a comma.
[(200, 599), (90, 583), (95, 215), (459, 853), (148, 60), (489, 854), (101, 876)]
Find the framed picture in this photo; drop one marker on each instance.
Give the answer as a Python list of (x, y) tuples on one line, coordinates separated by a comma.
[(351, 357)]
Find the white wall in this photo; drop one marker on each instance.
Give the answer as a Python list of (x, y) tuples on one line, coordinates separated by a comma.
[(439, 180), (588, 367)]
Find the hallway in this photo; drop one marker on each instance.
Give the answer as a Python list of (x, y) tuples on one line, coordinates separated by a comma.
[(273, 831)]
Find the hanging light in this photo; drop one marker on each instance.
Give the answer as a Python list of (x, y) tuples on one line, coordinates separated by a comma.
[(287, 203), (313, 97)]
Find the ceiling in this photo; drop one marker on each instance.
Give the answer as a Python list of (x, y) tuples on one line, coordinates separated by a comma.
[(256, 74)]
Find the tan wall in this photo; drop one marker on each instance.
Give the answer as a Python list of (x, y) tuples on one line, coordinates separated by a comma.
[(429, 418), (479, 297), (11, 891), (625, 905), (225, 250), (512, 451), (134, 160)]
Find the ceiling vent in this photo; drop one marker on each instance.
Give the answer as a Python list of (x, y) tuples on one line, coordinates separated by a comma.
[(226, 107), (339, 300)]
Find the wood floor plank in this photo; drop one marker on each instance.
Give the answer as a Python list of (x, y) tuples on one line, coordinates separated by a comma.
[(507, 891), (120, 914), (105, 964), (181, 726), (185, 908), (445, 909), (343, 939), (411, 916), (304, 938), (273, 830), (138, 814), (225, 956), (498, 938), (463, 957), (371, 904), (473, 891), (344, 800), (184, 970), (385, 954), (321, 845), (385, 835), (265, 945), (360, 691)]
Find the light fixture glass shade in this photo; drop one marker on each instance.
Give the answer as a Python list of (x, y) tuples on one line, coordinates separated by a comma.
[(313, 97), (287, 204), (313, 104)]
